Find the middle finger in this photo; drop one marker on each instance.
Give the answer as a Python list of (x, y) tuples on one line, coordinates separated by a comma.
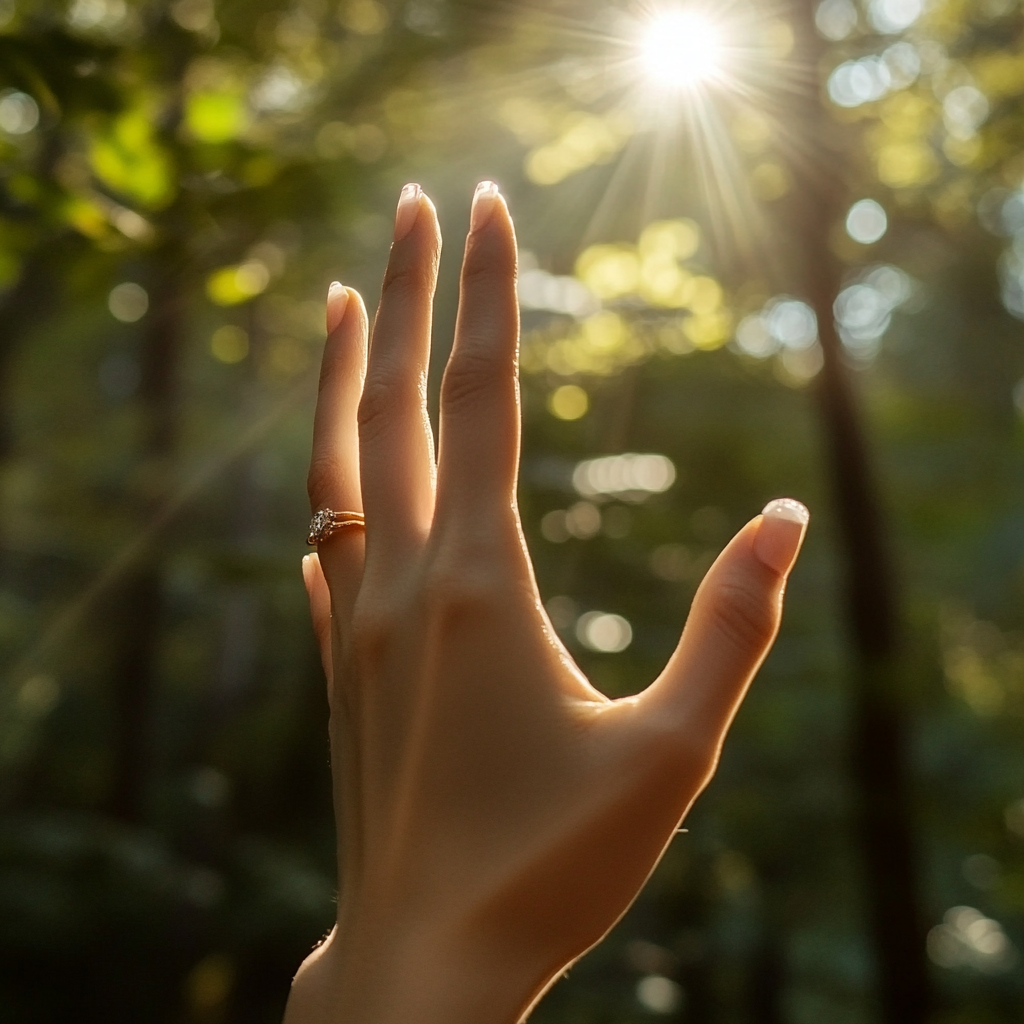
[(396, 443)]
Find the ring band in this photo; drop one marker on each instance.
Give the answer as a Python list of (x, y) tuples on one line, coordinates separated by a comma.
[(327, 522)]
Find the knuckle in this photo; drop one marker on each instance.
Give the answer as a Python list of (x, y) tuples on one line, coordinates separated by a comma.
[(490, 262), (381, 397), (465, 579), (485, 270), (413, 276), (452, 584), (373, 406), (744, 616), (371, 631), (471, 376)]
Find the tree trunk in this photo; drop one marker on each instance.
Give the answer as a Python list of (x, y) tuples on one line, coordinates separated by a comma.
[(140, 599), (766, 980), (879, 734), (35, 291)]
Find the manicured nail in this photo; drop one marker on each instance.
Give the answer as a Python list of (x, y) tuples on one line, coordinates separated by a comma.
[(337, 301), (484, 200), (781, 533), (408, 208)]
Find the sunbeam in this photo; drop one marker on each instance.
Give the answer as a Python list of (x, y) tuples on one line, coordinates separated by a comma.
[(641, 108)]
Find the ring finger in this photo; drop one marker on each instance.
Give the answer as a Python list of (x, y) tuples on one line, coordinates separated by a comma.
[(333, 481)]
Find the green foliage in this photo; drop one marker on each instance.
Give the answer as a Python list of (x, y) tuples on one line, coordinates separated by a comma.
[(128, 159)]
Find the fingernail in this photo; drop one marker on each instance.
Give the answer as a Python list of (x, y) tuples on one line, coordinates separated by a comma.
[(484, 200), (781, 533), (337, 301), (408, 208)]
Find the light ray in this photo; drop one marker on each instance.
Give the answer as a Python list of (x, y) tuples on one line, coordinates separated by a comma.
[(680, 72), (137, 547)]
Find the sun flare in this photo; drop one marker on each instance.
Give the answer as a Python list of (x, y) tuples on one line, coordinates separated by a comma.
[(681, 49)]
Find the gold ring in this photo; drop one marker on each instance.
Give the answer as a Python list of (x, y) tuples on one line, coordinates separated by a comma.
[(327, 522)]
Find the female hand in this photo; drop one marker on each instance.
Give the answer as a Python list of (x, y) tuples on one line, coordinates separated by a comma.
[(497, 814)]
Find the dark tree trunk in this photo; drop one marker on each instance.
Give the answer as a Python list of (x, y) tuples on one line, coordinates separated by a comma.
[(34, 293), (138, 613), (879, 749), (766, 981), (139, 600), (689, 915)]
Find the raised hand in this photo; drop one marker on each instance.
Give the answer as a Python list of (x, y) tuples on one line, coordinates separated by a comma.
[(497, 814)]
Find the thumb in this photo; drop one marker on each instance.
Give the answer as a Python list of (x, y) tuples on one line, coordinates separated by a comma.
[(732, 625), (320, 610)]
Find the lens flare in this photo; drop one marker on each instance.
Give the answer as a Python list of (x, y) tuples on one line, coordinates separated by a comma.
[(680, 49)]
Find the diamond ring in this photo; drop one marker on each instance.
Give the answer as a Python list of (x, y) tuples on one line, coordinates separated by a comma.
[(327, 522)]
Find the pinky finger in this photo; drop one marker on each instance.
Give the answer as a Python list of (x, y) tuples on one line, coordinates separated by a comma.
[(320, 610)]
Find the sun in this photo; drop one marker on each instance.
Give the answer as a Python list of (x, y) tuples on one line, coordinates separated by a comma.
[(681, 49)]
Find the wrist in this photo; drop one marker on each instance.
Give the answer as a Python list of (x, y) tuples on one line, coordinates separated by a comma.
[(413, 979)]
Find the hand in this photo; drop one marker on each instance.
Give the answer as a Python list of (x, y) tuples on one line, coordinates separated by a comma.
[(497, 814)]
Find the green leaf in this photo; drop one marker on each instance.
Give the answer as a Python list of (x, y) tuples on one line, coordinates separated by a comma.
[(130, 160), (216, 116)]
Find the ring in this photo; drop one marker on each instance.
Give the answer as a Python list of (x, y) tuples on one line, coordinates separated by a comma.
[(327, 522)]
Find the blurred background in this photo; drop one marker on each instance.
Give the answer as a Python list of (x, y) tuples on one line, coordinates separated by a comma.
[(768, 248)]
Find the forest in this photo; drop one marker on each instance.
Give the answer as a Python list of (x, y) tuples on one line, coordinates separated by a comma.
[(767, 247)]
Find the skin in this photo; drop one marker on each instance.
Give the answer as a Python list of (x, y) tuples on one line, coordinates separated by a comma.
[(497, 814)]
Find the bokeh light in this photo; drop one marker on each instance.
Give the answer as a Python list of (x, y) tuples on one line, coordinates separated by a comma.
[(582, 521), (659, 994), (630, 476), (128, 302), (864, 308), (867, 221), (229, 344), (892, 16), (835, 19), (568, 402), (19, 113), (555, 294), (859, 81), (754, 338), (964, 110), (604, 632), (791, 322), (231, 285), (967, 938)]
